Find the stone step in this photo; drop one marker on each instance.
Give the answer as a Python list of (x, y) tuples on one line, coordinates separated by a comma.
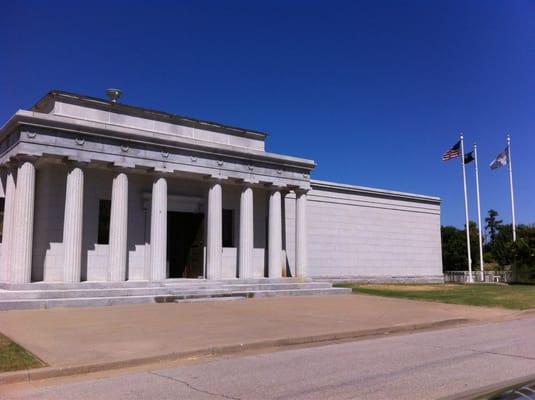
[(180, 281), (80, 285), (138, 291), (210, 299), (299, 292), (205, 294), (253, 286), (175, 282), (191, 296), (70, 302), (278, 286), (81, 293)]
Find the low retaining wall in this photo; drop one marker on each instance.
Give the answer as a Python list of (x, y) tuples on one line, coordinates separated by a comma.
[(382, 279)]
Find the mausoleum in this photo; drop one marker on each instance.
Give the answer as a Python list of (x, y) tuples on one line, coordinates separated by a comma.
[(100, 191)]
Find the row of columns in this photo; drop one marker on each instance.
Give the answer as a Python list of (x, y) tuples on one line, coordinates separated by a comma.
[(16, 257), (246, 234)]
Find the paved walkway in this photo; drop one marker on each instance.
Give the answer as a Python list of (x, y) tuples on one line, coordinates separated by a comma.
[(82, 336), (424, 365)]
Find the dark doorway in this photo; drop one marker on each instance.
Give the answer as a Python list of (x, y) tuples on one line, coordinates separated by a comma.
[(185, 244)]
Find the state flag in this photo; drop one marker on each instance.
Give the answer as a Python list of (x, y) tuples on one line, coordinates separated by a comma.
[(500, 160)]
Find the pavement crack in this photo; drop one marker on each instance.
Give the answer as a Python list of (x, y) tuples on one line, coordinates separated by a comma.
[(189, 385)]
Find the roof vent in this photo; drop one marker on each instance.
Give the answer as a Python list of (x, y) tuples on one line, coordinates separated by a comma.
[(114, 94)]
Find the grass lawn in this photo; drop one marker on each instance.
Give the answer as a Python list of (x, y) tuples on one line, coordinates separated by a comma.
[(520, 297), (14, 357)]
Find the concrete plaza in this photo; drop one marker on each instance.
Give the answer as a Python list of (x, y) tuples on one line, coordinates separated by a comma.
[(134, 334)]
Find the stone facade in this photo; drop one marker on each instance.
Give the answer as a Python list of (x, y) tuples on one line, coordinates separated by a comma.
[(358, 233), (100, 191)]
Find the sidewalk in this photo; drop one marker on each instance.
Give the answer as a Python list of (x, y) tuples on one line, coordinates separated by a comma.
[(85, 339)]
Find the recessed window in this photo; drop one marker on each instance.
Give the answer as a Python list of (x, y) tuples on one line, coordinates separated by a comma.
[(104, 212), (228, 228)]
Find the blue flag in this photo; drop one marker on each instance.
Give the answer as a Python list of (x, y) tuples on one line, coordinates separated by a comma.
[(501, 159)]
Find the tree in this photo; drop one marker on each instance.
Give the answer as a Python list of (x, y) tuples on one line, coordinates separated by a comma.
[(524, 255), (493, 224), (501, 246), (454, 254), (453, 249)]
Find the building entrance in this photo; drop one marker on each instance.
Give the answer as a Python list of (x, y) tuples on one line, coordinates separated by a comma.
[(185, 244)]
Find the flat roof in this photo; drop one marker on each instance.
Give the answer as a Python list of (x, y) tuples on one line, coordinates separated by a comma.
[(149, 113), (363, 189)]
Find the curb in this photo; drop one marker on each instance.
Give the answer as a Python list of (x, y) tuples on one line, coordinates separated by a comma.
[(55, 372), (489, 391)]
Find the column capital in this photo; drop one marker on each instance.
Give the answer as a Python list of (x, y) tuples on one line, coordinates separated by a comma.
[(10, 166), (71, 164), (276, 188), (23, 158), (247, 185), (117, 170), (159, 174), (300, 192), (216, 179)]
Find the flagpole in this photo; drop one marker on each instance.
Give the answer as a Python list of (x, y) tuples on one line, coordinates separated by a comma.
[(510, 165), (470, 278), (479, 218)]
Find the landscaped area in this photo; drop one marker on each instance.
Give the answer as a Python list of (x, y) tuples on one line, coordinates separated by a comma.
[(519, 297), (13, 357)]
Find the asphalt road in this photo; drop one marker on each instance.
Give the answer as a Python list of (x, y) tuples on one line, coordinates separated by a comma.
[(425, 365)]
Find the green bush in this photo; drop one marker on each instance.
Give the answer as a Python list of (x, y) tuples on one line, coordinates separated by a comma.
[(523, 254)]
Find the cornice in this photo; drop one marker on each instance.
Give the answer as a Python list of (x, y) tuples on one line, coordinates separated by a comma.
[(49, 121), (318, 184)]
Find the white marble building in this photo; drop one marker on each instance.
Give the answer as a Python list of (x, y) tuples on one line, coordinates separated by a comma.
[(95, 190)]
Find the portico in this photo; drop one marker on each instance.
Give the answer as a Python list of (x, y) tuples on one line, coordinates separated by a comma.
[(97, 191)]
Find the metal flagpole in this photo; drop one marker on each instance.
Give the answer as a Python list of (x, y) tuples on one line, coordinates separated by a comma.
[(470, 278), (479, 219), (510, 165)]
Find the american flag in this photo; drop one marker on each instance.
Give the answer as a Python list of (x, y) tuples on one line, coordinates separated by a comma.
[(454, 152)]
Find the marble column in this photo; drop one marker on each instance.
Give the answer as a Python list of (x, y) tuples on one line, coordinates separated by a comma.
[(300, 234), (118, 229), (73, 225), (246, 245), (7, 230), (158, 230), (275, 235), (214, 240), (21, 254)]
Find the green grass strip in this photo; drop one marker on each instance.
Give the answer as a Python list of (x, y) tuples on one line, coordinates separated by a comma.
[(13, 357), (518, 297)]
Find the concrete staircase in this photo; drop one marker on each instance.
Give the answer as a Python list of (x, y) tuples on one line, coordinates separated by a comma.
[(93, 294)]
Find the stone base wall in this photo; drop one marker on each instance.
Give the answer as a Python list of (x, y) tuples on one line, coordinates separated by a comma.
[(364, 232), (383, 279)]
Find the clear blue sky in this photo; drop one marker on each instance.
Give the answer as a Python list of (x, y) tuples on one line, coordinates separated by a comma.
[(373, 91)]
